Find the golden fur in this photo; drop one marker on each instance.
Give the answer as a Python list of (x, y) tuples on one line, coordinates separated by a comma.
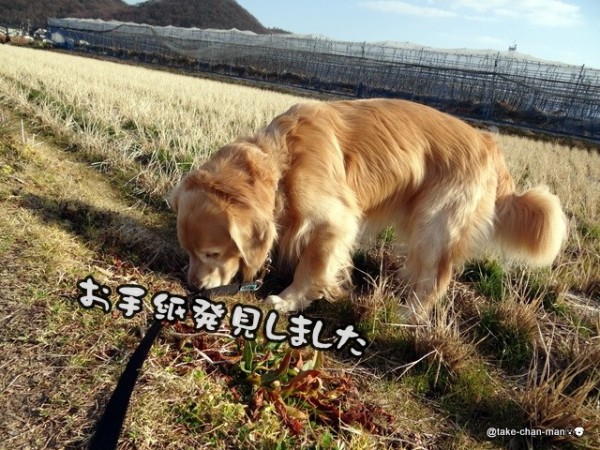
[(321, 172)]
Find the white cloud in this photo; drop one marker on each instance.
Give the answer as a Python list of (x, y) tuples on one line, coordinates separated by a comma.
[(480, 6), (409, 8), (551, 13), (548, 13)]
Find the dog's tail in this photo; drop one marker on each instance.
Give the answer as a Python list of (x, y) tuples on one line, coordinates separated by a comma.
[(530, 227)]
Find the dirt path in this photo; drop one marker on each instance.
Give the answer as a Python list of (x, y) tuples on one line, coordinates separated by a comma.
[(61, 220)]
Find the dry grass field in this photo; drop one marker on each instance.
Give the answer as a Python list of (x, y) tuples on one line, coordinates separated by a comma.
[(88, 150)]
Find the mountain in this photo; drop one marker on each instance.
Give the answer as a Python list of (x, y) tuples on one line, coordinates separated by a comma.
[(21, 13), (220, 14)]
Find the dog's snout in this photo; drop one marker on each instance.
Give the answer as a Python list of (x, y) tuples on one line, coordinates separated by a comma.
[(193, 281), (198, 280)]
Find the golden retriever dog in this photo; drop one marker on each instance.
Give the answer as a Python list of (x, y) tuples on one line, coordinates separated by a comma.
[(320, 173)]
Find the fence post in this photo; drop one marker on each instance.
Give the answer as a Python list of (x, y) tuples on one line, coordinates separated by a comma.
[(359, 84), (569, 110), (490, 108)]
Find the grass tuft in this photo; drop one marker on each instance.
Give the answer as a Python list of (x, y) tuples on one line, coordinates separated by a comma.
[(561, 399), (509, 332), (488, 278)]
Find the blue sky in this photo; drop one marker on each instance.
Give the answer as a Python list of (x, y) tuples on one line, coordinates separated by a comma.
[(558, 30)]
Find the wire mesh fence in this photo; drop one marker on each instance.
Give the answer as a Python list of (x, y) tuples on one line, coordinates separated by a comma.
[(503, 87)]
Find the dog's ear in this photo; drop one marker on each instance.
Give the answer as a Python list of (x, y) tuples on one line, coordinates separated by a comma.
[(254, 239), (173, 198)]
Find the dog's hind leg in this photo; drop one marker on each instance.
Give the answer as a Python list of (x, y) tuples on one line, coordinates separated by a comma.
[(324, 265), (428, 268), (428, 278)]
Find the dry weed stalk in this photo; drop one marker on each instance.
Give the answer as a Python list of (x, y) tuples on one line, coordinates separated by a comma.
[(563, 398)]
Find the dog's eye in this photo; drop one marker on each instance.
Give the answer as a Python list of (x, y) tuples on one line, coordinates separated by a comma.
[(212, 255)]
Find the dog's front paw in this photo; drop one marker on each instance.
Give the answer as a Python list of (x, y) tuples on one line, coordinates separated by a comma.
[(277, 303), (284, 306)]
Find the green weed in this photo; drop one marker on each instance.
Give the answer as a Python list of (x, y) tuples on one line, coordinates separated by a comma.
[(508, 341), (488, 278)]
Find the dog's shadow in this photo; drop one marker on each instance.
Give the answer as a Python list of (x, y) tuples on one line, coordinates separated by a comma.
[(156, 249), (109, 232)]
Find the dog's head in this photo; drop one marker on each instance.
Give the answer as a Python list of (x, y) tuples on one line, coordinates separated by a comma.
[(222, 227)]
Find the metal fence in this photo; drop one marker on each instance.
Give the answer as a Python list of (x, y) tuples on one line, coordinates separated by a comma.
[(503, 87)]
